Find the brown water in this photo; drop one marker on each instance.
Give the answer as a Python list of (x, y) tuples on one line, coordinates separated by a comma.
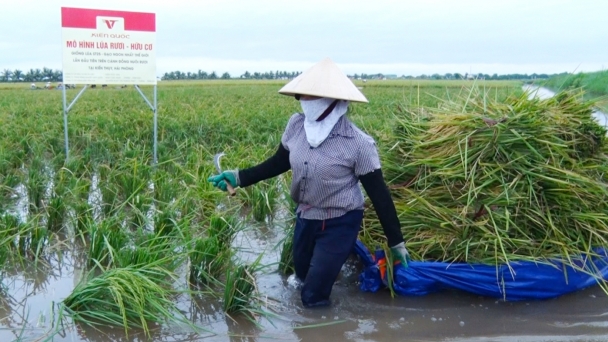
[(354, 315)]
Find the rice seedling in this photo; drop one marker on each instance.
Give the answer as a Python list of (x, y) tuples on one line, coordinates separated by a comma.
[(37, 182), (166, 211), (286, 266), (106, 238), (166, 219), (55, 212), (133, 179), (130, 297), (108, 188), (208, 260), (10, 229), (224, 228), (77, 167), (9, 179), (240, 290), (38, 239), (83, 217), (165, 186), (151, 249), (263, 198), (210, 255), (58, 200)]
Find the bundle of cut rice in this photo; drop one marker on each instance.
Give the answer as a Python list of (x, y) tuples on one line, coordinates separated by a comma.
[(485, 181)]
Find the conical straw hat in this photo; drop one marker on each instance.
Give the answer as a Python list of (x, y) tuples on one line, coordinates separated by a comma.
[(324, 79)]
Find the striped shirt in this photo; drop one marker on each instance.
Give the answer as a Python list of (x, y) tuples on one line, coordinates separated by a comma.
[(325, 179)]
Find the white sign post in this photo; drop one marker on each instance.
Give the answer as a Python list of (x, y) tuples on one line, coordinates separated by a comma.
[(108, 47)]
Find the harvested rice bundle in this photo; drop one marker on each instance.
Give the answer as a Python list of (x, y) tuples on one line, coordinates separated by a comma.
[(479, 180)]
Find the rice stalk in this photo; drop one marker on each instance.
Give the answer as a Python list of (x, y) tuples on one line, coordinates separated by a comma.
[(106, 239), (130, 297), (286, 265), (209, 260), (480, 180), (240, 290)]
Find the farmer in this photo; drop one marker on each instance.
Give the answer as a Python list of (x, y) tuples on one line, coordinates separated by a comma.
[(328, 156)]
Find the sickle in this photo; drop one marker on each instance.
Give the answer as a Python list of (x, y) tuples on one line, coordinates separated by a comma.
[(218, 167)]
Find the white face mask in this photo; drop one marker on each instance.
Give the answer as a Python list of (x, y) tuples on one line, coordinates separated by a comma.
[(318, 131), (314, 108)]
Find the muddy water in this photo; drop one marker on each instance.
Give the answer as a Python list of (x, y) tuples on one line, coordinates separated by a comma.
[(28, 294), (354, 315)]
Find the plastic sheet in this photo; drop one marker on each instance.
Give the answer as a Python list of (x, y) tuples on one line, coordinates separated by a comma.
[(514, 282)]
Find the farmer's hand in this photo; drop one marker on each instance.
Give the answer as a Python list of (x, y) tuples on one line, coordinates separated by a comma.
[(219, 181), (400, 253)]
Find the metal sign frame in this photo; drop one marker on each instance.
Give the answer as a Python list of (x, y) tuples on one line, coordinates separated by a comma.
[(153, 106)]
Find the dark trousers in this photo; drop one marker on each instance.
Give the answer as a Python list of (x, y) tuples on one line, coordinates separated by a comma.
[(320, 248)]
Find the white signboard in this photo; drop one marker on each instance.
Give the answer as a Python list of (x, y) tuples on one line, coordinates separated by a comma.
[(108, 47)]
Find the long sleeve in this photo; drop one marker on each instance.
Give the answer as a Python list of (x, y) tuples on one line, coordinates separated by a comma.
[(271, 167), (378, 193)]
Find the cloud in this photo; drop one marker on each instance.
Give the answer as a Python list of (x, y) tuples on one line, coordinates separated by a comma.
[(390, 36)]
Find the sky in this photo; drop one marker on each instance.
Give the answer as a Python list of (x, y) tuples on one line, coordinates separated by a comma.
[(402, 37)]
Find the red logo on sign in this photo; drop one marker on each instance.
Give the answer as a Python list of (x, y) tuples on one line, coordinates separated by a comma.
[(110, 23)]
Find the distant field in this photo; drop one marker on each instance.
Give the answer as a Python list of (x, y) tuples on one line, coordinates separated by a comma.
[(200, 110)]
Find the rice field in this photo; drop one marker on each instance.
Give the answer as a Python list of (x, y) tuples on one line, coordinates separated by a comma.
[(143, 239)]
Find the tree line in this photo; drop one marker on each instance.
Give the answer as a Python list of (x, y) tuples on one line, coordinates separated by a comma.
[(47, 74), (270, 75), (459, 76), (32, 75), (203, 75)]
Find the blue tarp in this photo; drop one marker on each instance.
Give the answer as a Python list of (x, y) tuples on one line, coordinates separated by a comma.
[(521, 281)]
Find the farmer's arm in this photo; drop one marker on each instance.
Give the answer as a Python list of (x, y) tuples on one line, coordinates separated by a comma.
[(276, 164), (271, 167), (369, 170), (377, 191)]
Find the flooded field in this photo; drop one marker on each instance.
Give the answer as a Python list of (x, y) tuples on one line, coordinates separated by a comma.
[(354, 315), (33, 286), (30, 293)]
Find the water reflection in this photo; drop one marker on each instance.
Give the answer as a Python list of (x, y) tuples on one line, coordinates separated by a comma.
[(241, 329), (7, 302)]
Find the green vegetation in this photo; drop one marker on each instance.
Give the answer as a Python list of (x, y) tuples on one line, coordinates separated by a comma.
[(131, 297), (145, 225), (595, 85), (479, 180)]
